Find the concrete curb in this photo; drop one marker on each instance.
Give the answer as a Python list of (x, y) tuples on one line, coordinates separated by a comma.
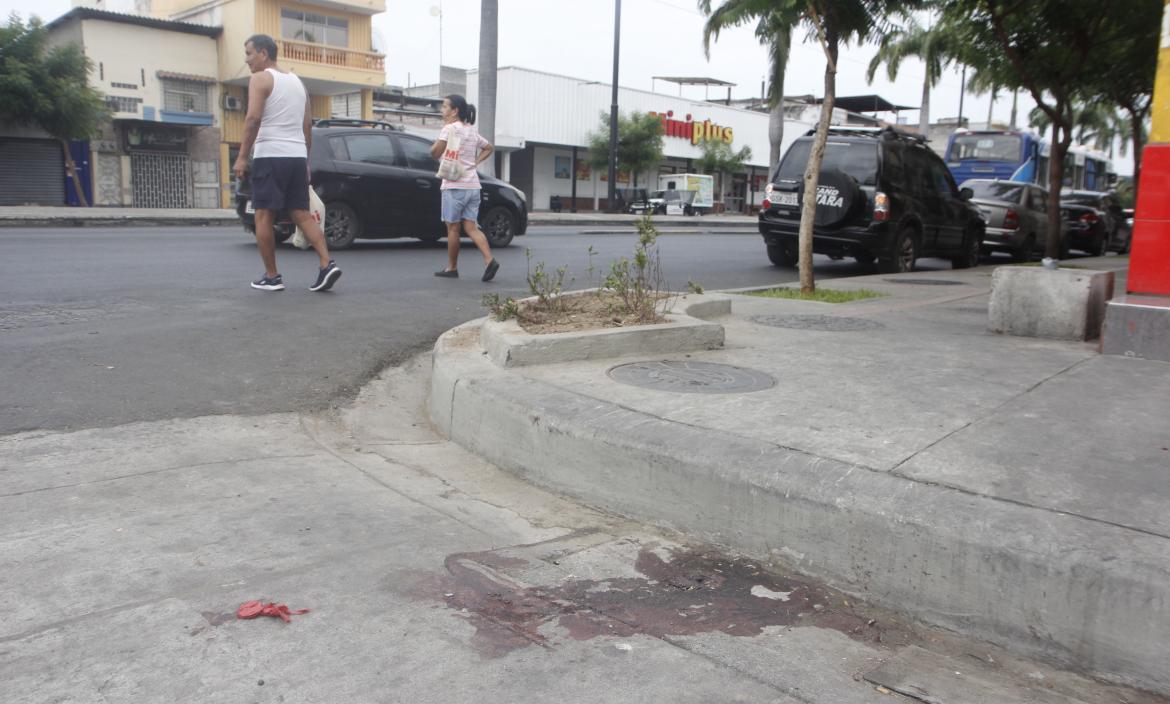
[(679, 222), (120, 221), (508, 345), (1083, 593)]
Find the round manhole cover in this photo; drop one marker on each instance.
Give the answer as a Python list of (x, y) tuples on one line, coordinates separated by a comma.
[(926, 282), (692, 377), (827, 323)]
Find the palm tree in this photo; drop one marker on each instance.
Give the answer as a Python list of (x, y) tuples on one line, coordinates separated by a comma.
[(719, 159), (489, 42), (932, 45), (774, 30)]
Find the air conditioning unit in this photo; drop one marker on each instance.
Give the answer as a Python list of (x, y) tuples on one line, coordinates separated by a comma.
[(231, 102)]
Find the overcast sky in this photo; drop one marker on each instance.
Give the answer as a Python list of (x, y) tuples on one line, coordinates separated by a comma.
[(659, 38)]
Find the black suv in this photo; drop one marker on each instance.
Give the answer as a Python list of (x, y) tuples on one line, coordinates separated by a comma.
[(883, 194), (378, 181)]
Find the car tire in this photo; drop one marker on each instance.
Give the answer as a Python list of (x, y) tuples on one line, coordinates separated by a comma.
[(1026, 250), (902, 256), (780, 255), (341, 225), (499, 226), (281, 233), (973, 247), (1101, 246)]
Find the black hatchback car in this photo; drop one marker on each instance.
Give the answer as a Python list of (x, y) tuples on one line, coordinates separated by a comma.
[(1095, 222), (378, 181), (883, 194)]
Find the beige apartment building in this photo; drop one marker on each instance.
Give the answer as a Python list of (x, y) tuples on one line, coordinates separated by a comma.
[(327, 43), (161, 146)]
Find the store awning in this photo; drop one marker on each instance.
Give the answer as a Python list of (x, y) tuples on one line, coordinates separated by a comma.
[(193, 78)]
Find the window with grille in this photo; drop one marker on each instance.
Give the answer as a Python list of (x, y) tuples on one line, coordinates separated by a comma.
[(347, 105), (122, 103), (184, 96), (314, 28)]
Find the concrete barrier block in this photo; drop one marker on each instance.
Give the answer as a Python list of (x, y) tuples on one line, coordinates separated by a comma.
[(1063, 304), (1138, 326)]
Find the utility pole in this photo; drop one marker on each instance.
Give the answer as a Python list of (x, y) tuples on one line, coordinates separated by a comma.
[(611, 196)]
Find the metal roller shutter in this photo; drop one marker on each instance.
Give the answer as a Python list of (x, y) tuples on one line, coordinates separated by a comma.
[(32, 172)]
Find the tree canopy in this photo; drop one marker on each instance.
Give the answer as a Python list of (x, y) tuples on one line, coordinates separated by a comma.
[(47, 87), (1065, 53), (639, 144)]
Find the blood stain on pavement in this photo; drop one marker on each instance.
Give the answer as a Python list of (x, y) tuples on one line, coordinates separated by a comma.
[(691, 592)]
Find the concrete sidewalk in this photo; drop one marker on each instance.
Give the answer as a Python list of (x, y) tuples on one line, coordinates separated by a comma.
[(34, 216), (1014, 489), (432, 578)]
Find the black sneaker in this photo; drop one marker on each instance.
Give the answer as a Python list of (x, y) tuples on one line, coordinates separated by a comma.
[(448, 273), (269, 283), (326, 277), (490, 272)]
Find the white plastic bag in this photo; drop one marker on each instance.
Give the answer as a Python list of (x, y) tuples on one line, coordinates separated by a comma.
[(449, 167), (317, 210)]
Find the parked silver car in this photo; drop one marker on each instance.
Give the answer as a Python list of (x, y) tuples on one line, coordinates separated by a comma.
[(1016, 215)]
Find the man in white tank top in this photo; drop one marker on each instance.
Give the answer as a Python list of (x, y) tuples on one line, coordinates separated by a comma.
[(279, 126)]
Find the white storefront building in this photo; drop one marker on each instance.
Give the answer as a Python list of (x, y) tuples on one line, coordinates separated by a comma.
[(543, 121)]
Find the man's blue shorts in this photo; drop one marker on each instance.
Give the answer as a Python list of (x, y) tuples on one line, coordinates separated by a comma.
[(460, 204), (280, 183)]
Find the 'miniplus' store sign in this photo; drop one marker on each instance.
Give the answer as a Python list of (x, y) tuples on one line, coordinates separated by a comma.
[(692, 129)]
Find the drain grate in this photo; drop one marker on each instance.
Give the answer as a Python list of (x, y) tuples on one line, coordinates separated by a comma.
[(691, 377), (827, 323), (926, 282)]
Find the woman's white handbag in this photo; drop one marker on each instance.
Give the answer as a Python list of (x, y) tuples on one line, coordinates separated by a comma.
[(449, 167), (317, 210)]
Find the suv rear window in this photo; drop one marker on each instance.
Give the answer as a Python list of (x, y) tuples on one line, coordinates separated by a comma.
[(858, 159)]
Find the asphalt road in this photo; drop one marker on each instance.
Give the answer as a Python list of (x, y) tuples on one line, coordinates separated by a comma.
[(104, 326)]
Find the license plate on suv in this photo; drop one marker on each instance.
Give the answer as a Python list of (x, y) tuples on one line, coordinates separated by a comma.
[(788, 199)]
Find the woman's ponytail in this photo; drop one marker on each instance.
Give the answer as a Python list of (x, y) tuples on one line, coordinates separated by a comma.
[(463, 109)]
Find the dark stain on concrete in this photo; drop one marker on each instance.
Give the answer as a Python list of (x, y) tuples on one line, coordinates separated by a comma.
[(689, 593), (211, 619)]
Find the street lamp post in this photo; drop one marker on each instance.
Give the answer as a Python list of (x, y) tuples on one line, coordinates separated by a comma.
[(611, 196)]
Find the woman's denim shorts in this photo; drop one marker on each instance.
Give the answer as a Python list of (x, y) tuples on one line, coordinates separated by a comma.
[(460, 204)]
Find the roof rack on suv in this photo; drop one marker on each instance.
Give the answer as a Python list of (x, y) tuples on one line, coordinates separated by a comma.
[(851, 131), (353, 122)]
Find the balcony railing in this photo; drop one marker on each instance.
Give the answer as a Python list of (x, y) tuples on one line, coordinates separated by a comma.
[(332, 56)]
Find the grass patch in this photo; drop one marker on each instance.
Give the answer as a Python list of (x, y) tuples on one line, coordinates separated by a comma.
[(821, 295)]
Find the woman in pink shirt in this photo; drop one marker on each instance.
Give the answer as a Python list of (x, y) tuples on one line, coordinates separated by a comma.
[(461, 195)]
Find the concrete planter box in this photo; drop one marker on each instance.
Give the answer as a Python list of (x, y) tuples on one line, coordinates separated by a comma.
[(1063, 304), (508, 345)]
